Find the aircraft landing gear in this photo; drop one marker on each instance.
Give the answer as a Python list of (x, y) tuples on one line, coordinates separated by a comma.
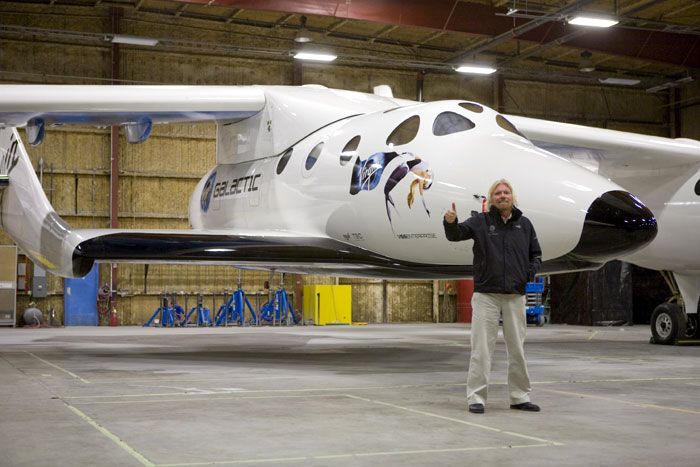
[(671, 321), (668, 324)]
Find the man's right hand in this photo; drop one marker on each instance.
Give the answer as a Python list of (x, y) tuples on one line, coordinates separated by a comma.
[(451, 214)]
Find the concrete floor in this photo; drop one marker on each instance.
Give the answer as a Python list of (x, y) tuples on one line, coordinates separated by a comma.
[(337, 396)]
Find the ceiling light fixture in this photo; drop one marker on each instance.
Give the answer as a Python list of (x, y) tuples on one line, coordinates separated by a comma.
[(671, 84), (315, 56), (586, 65), (476, 69), (302, 36), (620, 81), (593, 21), (133, 40)]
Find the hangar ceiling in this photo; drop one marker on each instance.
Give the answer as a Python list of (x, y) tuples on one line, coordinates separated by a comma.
[(656, 41)]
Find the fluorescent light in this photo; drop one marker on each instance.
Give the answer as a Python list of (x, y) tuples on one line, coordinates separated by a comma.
[(133, 40), (476, 69), (596, 22), (315, 56), (620, 81)]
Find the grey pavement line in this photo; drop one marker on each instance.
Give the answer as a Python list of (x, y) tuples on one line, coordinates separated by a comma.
[(619, 401), (210, 399), (114, 438), (369, 388), (354, 455), (58, 368), (146, 462), (457, 420), (341, 389)]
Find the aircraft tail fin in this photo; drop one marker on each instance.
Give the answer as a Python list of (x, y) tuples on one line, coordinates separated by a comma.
[(26, 214)]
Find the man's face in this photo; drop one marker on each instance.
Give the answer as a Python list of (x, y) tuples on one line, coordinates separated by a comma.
[(502, 197)]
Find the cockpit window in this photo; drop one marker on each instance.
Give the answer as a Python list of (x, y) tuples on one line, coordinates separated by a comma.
[(313, 156), (283, 161), (405, 132), (449, 122), (350, 150), (506, 125), (476, 108)]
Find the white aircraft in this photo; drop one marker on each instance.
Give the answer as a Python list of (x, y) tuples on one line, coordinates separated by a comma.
[(317, 180)]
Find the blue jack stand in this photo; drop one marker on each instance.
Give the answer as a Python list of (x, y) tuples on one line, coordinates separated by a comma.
[(203, 314), (165, 314), (179, 315), (169, 313), (233, 311), (279, 309)]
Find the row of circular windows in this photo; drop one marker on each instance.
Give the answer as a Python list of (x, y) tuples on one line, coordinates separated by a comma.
[(446, 123)]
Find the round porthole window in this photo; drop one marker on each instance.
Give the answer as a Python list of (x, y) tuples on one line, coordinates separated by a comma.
[(449, 122), (405, 132), (350, 150), (697, 188), (313, 156), (476, 108), (506, 125), (283, 161)]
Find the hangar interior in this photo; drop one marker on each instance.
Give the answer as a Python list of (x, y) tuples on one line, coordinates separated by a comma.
[(390, 394), (546, 69)]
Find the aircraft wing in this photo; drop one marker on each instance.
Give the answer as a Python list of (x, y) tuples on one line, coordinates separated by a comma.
[(136, 107), (280, 251), (608, 151)]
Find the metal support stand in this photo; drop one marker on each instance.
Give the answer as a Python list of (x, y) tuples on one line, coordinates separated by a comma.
[(203, 314), (223, 317), (164, 314), (233, 311), (179, 313), (279, 309)]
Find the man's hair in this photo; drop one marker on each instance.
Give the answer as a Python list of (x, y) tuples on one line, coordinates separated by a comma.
[(492, 189)]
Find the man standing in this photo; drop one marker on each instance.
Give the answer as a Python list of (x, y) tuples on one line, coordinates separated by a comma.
[(506, 256)]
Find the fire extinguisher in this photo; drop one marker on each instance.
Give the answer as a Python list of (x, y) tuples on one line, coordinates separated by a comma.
[(113, 321)]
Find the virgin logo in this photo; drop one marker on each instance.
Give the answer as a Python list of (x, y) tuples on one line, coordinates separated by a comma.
[(10, 157)]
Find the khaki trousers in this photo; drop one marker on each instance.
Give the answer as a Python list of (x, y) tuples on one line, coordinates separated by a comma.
[(487, 308)]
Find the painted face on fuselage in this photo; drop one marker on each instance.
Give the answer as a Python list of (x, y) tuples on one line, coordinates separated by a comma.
[(502, 198)]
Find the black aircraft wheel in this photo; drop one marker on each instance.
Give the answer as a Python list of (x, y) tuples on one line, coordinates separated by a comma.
[(668, 324), (691, 328)]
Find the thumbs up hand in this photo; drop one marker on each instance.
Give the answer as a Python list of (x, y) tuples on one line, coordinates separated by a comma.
[(451, 214)]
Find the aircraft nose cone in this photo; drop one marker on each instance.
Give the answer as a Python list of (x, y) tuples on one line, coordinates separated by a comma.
[(617, 223)]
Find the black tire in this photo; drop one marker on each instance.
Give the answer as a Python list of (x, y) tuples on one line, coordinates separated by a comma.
[(540, 320), (668, 324)]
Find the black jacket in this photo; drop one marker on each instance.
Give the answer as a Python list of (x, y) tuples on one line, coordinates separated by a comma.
[(506, 255)]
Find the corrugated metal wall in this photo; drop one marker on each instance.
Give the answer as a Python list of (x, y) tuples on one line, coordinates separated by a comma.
[(157, 177)]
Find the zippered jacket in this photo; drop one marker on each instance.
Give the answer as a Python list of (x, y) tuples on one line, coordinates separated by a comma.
[(506, 254)]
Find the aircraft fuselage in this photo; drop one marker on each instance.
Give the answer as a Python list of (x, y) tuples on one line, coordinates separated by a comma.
[(382, 181)]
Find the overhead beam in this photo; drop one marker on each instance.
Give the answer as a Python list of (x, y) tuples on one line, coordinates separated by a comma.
[(386, 30), (478, 18), (181, 9), (234, 13), (434, 35), (519, 31)]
